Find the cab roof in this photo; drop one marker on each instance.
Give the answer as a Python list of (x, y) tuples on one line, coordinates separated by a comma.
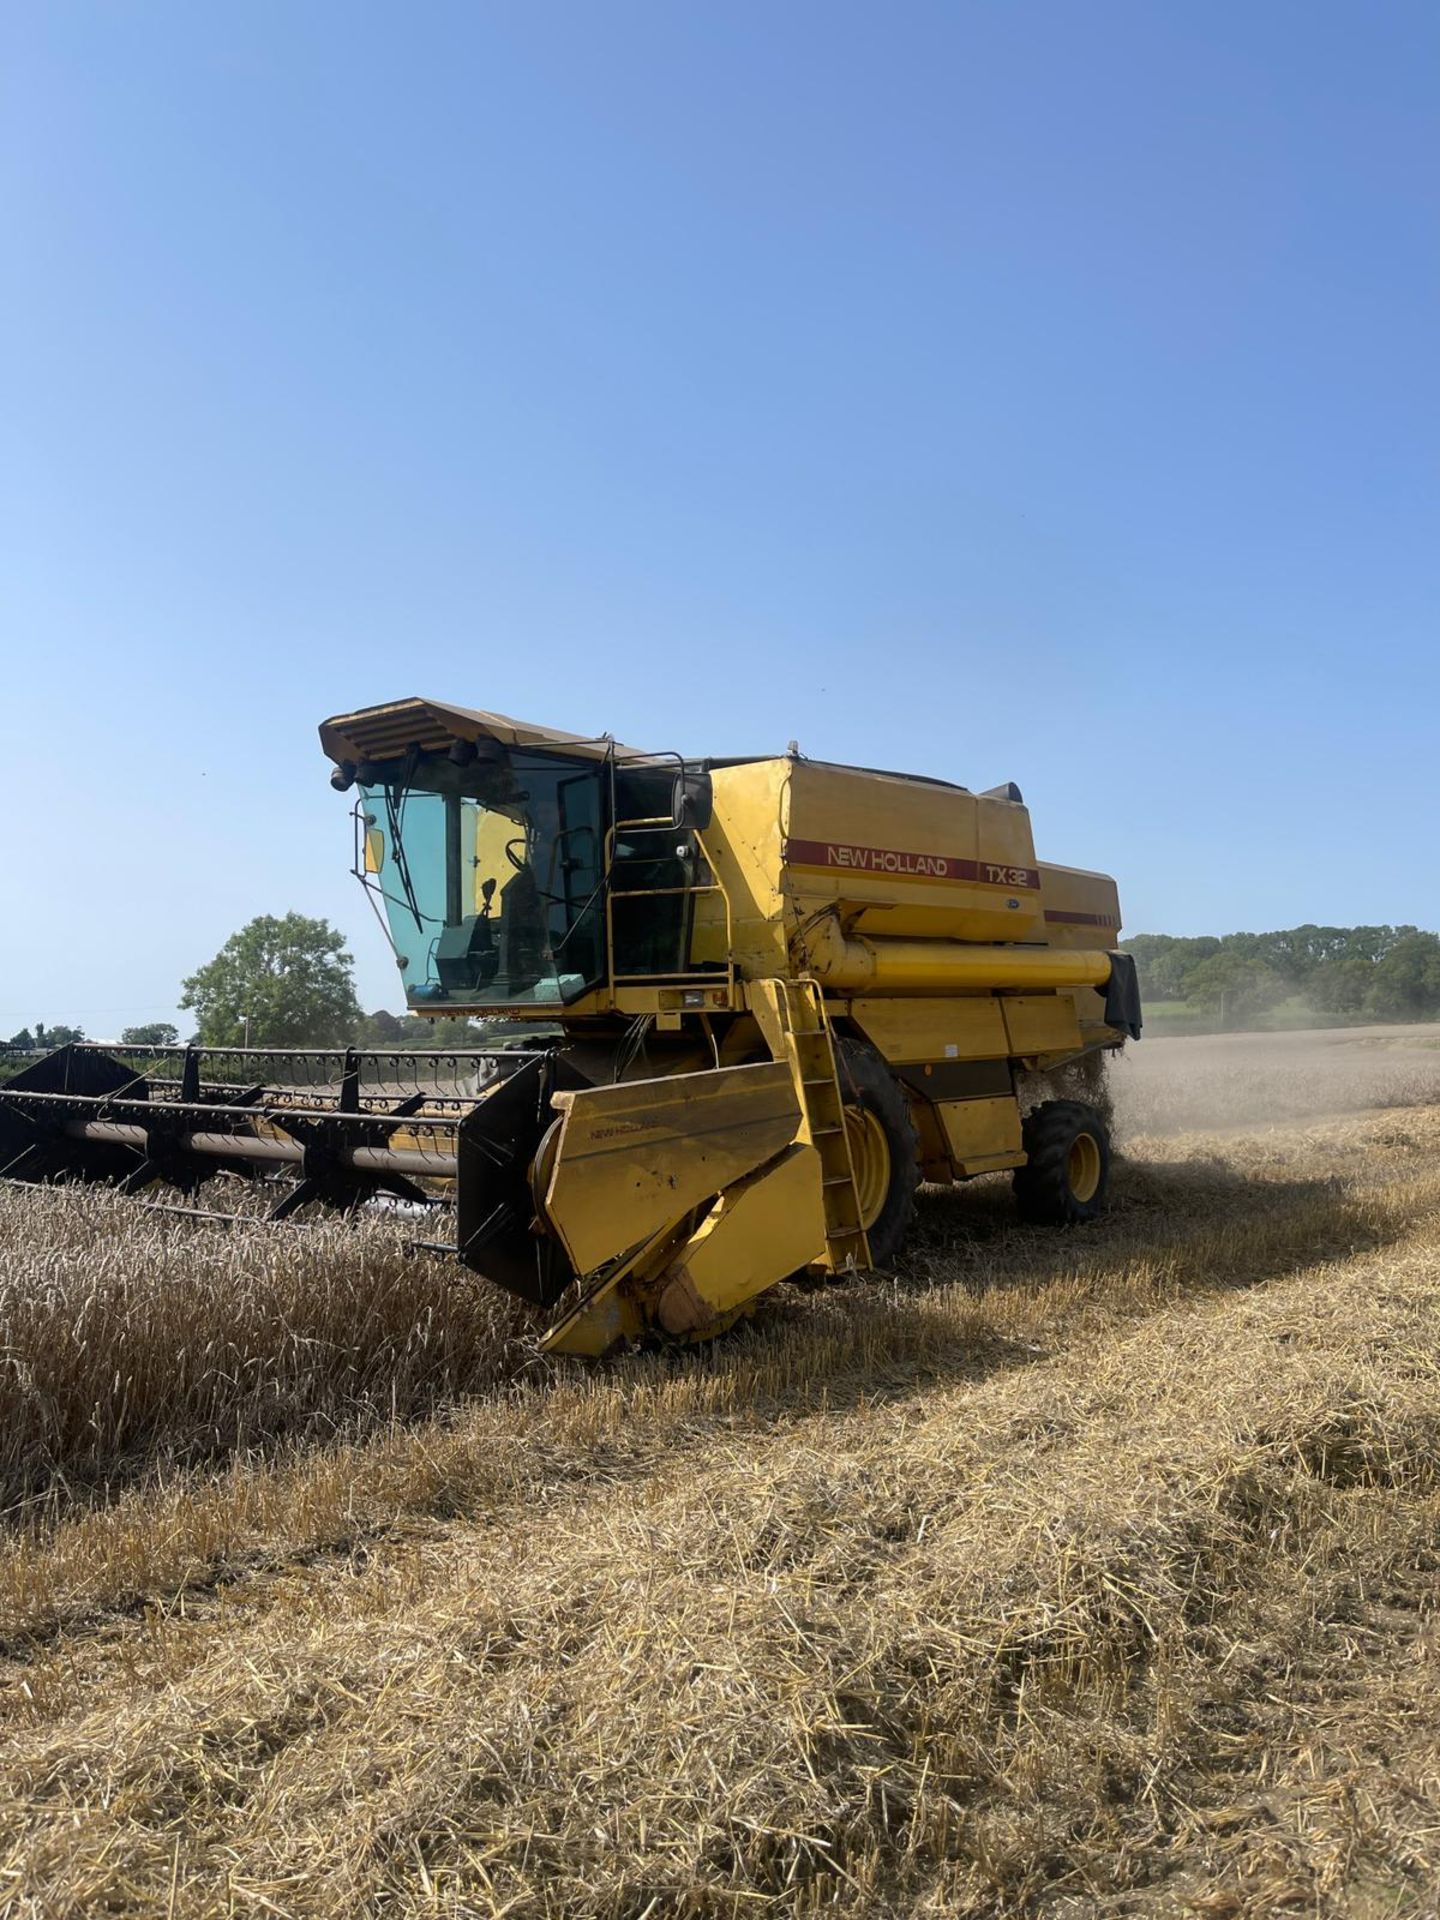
[(387, 732)]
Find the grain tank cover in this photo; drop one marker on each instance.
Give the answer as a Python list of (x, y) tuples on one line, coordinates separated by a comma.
[(909, 857)]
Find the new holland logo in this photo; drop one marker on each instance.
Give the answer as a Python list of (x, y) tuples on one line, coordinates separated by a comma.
[(883, 860), (905, 865)]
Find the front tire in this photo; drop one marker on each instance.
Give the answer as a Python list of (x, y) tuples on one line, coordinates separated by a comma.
[(1067, 1168), (884, 1148)]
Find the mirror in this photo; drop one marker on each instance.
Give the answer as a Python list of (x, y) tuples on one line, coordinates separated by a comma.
[(374, 850), (692, 801)]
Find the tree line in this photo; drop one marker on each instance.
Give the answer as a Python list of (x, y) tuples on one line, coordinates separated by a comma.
[(1379, 973)]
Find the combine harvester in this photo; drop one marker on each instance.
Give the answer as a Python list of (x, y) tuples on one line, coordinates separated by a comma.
[(769, 997)]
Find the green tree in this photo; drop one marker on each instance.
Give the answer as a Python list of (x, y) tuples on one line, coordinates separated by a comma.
[(57, 1036), (1373, 943), (1300, 953), (382, 1029), (153, 1033), (1405, 984), (1236, 985), (288, 980), (1340, 985), (1386, 972), (455, 1032), (1165, 963)]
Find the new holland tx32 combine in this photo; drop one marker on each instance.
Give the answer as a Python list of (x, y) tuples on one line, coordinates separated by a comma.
[(769, 997)]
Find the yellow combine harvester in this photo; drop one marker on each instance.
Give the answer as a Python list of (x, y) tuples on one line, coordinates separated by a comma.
[(769, 998)]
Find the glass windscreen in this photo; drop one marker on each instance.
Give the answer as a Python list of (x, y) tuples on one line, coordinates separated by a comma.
[(490, 877)]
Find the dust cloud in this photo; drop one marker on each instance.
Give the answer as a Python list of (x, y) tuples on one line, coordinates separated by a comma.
[(1210, 1083)]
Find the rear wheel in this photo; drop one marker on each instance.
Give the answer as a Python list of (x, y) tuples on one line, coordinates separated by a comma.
[(884, 1148), (1067, 1168)]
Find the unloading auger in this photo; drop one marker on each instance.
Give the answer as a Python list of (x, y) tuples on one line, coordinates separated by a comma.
[(757, 1001)]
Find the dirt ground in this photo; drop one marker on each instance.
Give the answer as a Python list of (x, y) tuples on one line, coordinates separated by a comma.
[(1054, 1575), (1238, 1080)]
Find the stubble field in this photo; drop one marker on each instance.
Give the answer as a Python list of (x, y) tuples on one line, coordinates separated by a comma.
[(1055, 1575)]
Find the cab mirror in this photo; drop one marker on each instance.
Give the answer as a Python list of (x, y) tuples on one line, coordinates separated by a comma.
[(692, 802), (374, 850)]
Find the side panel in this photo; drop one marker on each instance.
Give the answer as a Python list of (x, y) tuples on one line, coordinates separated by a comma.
[(635, 1157), (908, 857), (933, 1029), (1081, 909), (760, 1229), (1041, 1023), (982, 1134), (742, 844)]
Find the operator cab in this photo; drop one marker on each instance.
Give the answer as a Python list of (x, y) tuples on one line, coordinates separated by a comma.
[(489, 875), (515, 867)]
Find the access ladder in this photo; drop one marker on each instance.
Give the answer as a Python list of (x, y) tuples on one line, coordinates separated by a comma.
[(793, 1019)]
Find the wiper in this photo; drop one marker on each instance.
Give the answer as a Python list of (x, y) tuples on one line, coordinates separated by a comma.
[(402, 865)]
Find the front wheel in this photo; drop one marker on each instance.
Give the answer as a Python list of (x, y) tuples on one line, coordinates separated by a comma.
[(1067, 1166), (884, 1150)]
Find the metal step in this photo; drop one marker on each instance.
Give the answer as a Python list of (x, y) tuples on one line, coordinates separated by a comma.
[(805, 1032)]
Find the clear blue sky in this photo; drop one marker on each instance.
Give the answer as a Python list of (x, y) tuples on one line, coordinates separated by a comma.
[(1037, 390)]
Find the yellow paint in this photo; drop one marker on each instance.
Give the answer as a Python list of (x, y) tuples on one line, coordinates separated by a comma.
[(848, 962), (793, 1018), (928, 1029), (1083, 1166), (762, 1228), (765, 1225), (1081, 909), (743, 844), (981, 1134), (607, 1317), (1040, 1023), (637, 1157), (863, 816), (493, 831)]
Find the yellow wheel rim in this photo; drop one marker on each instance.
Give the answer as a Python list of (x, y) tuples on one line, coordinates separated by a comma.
[(870, 1157), (1082, 1167)]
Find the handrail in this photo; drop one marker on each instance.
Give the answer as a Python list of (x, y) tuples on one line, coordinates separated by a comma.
[(681, 975)]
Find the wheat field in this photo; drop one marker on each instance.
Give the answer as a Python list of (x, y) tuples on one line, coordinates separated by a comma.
[(1054, 1575)]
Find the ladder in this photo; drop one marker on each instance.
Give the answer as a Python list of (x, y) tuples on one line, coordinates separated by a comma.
[(792, 1016)]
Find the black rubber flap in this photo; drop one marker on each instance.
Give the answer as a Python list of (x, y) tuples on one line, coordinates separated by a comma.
[(1122, 995)]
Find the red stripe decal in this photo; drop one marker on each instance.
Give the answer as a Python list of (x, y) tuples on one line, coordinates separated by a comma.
[(839, 856)]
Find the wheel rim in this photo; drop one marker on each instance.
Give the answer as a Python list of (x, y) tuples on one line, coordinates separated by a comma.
[(1082, 1167), (870, 1157)]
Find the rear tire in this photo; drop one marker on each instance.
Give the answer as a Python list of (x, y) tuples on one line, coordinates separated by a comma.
[(1067, 1169), (884, 1147)]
